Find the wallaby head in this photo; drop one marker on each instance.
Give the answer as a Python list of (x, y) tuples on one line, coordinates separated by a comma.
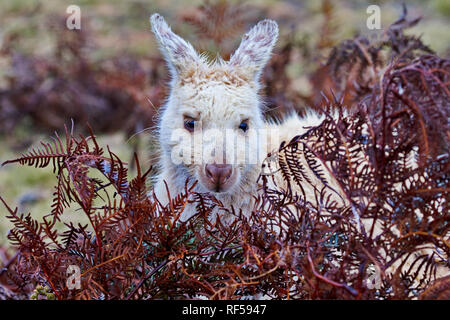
[(210, 102)]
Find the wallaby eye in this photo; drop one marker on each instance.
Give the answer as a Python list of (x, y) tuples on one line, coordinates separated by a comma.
[(189, 124), (243, 126)]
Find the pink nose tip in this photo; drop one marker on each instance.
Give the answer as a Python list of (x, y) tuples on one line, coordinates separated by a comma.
[(218, 173)]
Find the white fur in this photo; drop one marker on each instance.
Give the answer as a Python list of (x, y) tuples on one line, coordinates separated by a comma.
[(220, 95)]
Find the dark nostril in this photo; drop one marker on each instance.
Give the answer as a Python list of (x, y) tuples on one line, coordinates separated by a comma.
[(226, 172), (218, 173), (209, 174)]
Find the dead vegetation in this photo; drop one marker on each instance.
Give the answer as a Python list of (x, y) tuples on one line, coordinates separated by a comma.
[(396, 93)]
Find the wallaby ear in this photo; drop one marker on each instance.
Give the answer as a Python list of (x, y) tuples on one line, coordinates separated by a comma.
[(256, 48), (179, 53)]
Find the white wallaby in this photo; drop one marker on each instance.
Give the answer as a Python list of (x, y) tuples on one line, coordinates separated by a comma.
[(211, 103), (212, 129)]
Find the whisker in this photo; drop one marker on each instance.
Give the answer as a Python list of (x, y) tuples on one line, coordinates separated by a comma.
[(139, 132), (153, 106)]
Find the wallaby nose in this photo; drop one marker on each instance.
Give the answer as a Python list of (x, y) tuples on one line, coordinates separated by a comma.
[(218, 173)]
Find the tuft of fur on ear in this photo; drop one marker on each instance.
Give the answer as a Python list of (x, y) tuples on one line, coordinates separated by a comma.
[(179, 53), (255, 49)]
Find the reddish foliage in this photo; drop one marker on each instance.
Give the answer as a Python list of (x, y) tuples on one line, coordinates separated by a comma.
[(134, 247)]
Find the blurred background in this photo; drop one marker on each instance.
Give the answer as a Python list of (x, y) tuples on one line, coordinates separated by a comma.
[(109, 74)]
